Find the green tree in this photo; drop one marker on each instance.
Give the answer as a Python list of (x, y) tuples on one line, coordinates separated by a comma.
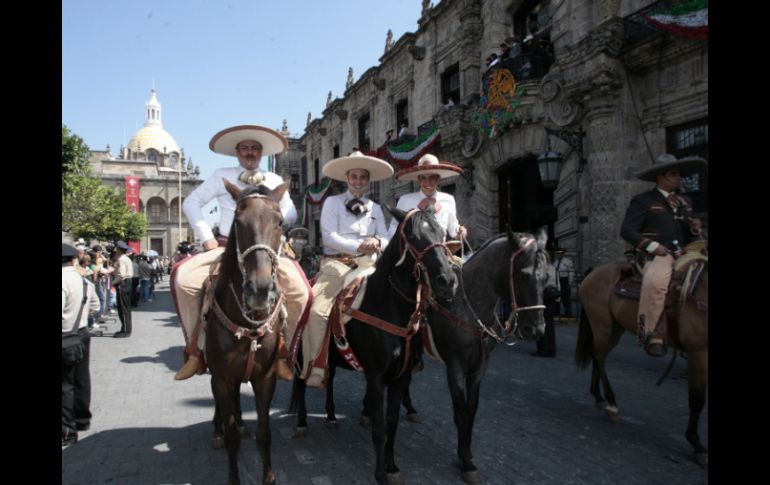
[(90, 209)]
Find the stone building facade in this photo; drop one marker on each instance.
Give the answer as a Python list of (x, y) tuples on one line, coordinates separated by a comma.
[(615, 93), (153, 156)]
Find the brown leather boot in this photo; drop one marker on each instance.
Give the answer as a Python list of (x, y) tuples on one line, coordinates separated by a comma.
[(282, 370), (655, 347), (189, 369)]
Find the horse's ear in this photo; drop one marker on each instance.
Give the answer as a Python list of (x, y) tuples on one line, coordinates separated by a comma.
[(280, 190), (395, 212), (513, 239), (542, 237), (234, 190)]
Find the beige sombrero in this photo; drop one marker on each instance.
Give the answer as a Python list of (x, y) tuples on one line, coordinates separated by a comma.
[(664, 163), (337, 168), (429, 164), (225, 141)]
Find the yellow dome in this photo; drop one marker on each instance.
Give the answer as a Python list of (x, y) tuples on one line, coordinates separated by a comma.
[(153, 137)]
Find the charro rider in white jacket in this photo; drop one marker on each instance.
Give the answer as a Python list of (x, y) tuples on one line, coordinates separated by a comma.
[(248, 143)]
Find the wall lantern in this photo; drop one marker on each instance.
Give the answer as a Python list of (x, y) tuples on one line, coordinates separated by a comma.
[(549, 163)]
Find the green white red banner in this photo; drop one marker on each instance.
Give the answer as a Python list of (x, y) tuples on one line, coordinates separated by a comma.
[(688, 19)]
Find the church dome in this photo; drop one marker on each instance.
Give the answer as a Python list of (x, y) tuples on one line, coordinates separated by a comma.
[(153, 137)]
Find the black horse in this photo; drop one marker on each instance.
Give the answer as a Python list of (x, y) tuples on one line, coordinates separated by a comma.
[(512, 268), (414, 263)]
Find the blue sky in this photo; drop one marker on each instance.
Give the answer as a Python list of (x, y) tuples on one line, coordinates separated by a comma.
[(214, 63)]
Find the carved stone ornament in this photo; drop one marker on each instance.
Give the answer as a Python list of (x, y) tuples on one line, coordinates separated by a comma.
[(561, 110), (472, 142), (418, 52)]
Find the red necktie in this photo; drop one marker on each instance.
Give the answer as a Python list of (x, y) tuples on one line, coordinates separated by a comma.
[(427, 202)]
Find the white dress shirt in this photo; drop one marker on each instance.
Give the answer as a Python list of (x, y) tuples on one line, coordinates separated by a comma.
[(214, 187), (343, 232), (446, 217)]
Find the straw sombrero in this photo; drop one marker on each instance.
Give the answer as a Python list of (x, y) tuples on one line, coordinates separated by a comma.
[(664, 163), (427, 165), (337, 168), (225, 141)]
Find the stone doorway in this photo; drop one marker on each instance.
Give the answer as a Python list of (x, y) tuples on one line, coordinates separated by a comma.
[(525, 204)]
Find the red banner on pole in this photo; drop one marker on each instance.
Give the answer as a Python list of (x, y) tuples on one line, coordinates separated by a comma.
[(132, 201)]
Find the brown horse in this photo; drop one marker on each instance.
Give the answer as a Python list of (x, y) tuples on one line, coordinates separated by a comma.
[(604, 318), (245, 320)]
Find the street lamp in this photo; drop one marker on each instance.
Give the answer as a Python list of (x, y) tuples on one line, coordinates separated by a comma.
[(179, 194)]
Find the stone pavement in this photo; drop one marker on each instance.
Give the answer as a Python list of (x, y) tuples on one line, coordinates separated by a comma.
[(536, 422)]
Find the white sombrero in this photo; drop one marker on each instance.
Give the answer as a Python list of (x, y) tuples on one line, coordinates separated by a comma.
[(429, 164), (225, 141), (337, 168)]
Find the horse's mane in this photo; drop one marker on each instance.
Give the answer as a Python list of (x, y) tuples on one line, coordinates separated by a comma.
[(256, 189), (387, 261)]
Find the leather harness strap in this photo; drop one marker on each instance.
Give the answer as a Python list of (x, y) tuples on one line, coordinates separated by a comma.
[(254, 334)]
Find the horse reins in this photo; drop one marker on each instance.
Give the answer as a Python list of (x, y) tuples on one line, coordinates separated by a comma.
[(515, 309), (423, 288)]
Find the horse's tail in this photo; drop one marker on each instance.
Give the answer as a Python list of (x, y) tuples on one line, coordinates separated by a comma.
[(584, 350)]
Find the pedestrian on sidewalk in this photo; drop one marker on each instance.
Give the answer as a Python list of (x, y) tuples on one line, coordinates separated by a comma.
[(76, 306)]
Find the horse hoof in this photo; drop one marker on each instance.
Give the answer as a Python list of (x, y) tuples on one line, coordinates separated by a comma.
[(413, 418), (365, 421), (331, 424), (702, 458), (218, 442), (612, 413), (300, 432), (471, 477), (269, 480), (395, 479)]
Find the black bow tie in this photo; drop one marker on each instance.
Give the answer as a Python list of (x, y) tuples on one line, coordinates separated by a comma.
[(356, 206)]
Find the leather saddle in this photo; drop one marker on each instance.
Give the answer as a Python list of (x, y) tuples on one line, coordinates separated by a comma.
[(687, 271)]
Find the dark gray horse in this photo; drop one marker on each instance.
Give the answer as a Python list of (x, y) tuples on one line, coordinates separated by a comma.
[(512, 268)]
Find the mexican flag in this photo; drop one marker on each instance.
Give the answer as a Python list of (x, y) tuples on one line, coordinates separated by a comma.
[(689, 18)]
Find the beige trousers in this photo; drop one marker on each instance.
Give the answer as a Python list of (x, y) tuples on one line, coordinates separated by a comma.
[(188, 289), (652, 300), (331, 278)]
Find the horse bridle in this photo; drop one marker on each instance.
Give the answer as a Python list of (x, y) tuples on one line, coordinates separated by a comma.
[(242, 305), (419, 267), (513, 318)]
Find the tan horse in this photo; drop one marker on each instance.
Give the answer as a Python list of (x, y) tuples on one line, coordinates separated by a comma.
[(604, 318)]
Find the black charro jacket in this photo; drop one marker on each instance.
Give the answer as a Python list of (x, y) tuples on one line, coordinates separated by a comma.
[(649, 218)]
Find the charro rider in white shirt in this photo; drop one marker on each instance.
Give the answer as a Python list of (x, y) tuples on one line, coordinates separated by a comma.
[(429, 172), (248, 143), (351, 224)]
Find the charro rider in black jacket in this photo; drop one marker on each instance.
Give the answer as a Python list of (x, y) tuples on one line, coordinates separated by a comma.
[(659, 223)]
